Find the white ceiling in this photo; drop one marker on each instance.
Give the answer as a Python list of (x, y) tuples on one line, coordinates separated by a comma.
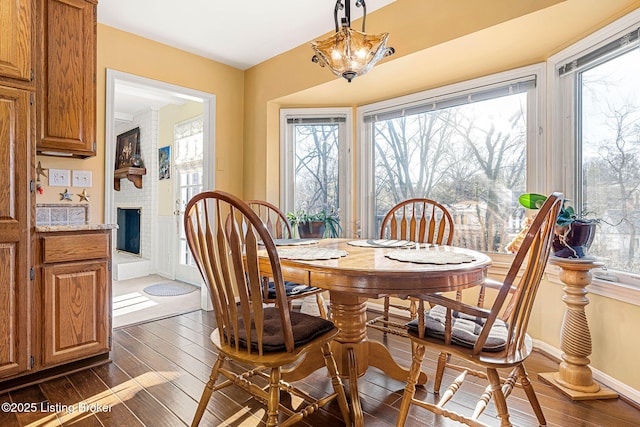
[(239, 33)]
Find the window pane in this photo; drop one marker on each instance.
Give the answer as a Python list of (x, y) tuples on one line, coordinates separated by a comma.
[(471, 158), (189, 146), (316, 167), (610, 129)]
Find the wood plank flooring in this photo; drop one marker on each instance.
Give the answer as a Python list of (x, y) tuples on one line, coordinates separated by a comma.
[(159, 370)]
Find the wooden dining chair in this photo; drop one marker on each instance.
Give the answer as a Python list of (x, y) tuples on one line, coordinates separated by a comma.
[(490, 338), (226, 238), (417, 220), (280, 228)]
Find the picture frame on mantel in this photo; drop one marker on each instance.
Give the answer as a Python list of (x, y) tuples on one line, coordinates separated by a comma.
[(127, 144)]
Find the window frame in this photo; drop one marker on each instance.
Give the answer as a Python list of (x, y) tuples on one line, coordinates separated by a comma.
[(562, 111), (345, 163), (536, 151)]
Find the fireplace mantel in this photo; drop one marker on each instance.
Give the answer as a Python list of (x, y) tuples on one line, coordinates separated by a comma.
[(132, 174)]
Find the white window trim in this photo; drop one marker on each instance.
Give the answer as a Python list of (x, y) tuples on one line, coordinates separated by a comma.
[(563, 156), (345, 162), (536, 150)]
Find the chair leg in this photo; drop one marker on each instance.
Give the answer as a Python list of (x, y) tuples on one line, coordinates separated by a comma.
[(413, 308), (206, 393), (498, 397), (531, 394), (385, 314), (274, 397), (321, 306), (442, 363), (330, 362), (410, 389)]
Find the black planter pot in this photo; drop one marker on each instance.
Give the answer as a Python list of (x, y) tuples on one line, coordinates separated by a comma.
[(313, 229), (573, 240)]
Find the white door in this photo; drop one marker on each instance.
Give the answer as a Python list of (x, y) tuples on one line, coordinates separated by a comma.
[(189, 181)]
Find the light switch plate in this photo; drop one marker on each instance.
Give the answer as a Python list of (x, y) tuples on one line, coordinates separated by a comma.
[(59, 177), (81, 178)]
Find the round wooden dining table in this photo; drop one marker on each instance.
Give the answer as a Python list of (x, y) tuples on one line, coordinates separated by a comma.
[(361, 271)]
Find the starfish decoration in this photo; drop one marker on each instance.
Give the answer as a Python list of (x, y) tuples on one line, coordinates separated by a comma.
[(40, 171), (83, 196), (66, 195)]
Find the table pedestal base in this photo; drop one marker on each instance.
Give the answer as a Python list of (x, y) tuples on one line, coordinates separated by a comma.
[(353, 351)]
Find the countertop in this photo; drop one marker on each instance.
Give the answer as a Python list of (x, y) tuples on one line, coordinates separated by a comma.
[(77, 227)]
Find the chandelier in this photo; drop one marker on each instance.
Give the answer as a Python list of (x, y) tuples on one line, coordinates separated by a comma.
[(350, 53)]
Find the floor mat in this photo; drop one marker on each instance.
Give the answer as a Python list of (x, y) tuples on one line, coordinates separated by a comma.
[(169, 289)]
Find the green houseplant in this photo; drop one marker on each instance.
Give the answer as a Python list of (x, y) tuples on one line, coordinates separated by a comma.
[(320, 224), (573, 235)]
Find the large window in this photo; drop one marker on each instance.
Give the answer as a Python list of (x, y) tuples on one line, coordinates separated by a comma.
[(604, 93), (466, 148), (315, 161)]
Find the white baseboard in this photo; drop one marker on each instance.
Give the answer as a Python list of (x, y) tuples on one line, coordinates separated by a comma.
[(131, 270)]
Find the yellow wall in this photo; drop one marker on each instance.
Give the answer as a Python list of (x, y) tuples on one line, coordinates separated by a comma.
[(128, 53)]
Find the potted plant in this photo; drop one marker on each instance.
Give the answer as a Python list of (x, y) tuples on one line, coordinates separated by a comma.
[(573, 235), (318, 225)]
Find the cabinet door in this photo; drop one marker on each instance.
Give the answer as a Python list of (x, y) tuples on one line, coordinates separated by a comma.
[(14, 228), (15, 39), (76, 316), (66, 107)]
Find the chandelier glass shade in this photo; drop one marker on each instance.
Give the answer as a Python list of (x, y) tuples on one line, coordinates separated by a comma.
[(350, 53)]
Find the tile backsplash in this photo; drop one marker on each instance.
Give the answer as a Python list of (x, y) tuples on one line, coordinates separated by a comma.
[(62, 213)]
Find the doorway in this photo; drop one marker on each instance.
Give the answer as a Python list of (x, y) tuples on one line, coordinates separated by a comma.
[(158, 108)]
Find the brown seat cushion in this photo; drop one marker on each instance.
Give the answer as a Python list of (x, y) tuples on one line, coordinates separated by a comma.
[(304, 326), (465, 329)]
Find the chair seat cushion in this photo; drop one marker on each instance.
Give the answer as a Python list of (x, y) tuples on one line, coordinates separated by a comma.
[(465, 329), (291, 289), (304, 326)]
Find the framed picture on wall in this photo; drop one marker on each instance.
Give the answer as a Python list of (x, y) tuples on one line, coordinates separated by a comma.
[(127, 144), (164, 162)]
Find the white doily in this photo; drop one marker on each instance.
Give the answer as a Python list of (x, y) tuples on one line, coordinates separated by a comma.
[(382, 243), (292, 242), (430, 257), (311, 253)]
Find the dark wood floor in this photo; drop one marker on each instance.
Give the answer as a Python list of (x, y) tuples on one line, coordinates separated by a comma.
[(159, 369)]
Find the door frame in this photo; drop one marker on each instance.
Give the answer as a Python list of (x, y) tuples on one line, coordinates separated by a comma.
[(208, 112)]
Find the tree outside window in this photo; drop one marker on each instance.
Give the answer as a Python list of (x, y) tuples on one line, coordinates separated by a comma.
[(469, 157), (610, 157)]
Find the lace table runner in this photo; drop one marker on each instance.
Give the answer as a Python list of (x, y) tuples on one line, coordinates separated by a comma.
[(311, 253), (430, 257), (382, 243)]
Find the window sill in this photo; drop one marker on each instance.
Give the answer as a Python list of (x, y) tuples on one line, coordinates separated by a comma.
[(610, 289)]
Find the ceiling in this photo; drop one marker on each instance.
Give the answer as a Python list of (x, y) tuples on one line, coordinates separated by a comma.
[(239, 33), (130, 98)]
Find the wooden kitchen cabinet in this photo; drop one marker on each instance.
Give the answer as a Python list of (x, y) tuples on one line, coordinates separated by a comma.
[(75, 293), (66, 77), (16, 199), (16, 32)]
